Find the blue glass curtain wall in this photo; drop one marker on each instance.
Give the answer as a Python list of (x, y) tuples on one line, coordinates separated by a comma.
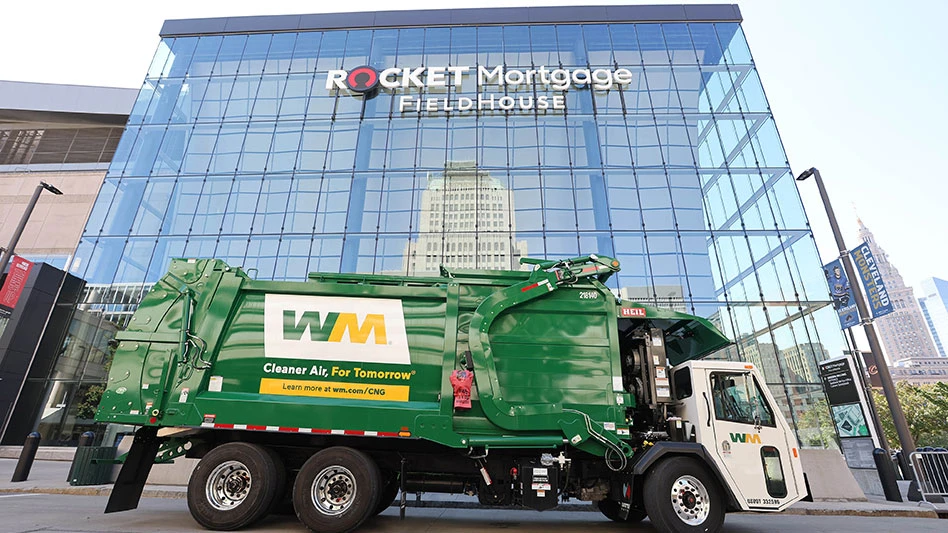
[(236, 149)]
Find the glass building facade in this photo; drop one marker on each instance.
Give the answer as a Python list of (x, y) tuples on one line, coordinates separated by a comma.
[(241, 147)]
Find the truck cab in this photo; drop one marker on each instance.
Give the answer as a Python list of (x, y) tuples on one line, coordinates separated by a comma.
[(732, 413)]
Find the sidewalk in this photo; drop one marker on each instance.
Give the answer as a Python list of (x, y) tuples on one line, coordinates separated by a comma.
[(49, 477)]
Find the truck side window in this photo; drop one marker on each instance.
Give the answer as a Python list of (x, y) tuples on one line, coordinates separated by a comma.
[(682, 382), (773, 472), (738, 398)]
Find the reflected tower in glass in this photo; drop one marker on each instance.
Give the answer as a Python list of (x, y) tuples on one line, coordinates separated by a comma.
[(247, 144)]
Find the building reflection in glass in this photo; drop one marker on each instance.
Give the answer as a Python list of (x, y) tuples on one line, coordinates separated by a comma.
[(464, 222)]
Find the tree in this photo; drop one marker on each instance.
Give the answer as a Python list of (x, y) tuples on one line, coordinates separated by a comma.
[(90, 402), (815, 426), (926, 412)]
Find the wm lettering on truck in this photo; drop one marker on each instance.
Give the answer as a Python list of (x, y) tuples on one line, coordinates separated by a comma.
[(526, 388)]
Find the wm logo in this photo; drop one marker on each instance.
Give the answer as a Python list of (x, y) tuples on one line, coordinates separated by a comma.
[(746, 438), (334, 327)]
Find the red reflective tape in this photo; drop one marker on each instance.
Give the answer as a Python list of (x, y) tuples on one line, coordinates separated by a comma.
[(589, 269), (528, 287), (354, 432)]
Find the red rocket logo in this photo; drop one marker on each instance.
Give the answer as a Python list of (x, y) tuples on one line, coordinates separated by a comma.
[(362, 79)]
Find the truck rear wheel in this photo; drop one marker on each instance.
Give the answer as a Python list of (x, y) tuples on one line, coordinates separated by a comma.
[(337, 490), (611, 509), (233, 486), (682, 497), (390, 487)]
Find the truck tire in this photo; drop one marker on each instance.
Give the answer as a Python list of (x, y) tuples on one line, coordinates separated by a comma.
[(610, 509), (682, 497), (233, 486), (390, 487), (280, 494), (337, 490)]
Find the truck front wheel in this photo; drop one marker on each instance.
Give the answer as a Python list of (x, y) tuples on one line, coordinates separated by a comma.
[(681, 496), (336, 490), (234, 486)]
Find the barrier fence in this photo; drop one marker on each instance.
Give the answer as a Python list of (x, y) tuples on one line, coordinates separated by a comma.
[(931, 472)]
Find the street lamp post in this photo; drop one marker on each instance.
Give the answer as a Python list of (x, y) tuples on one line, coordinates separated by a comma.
[(888, 387), (8, 253)]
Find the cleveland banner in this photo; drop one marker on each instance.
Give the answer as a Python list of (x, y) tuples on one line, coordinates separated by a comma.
[(842, 292), (868, 272)]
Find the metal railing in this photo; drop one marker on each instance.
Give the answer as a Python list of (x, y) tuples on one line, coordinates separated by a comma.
[(931, 472)]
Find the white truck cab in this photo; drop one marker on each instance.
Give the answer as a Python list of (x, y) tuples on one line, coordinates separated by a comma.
[(729, 409)]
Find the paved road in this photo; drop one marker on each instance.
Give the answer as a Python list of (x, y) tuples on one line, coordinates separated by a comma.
[(23, 513)]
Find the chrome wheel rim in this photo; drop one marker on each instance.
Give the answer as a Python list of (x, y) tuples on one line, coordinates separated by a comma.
[(228, 485), (689, 499), (334, 490)]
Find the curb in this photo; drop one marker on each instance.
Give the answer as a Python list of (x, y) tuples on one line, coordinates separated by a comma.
[(94, 491), (880, 513)]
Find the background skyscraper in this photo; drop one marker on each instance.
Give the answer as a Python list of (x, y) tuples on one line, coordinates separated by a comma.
[(933, 299), (904, 332)]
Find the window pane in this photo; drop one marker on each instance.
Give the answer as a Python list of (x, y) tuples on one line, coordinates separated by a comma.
[(255, 54), (732, 40), (652, 44), (228, 58), (205, 53), (678, 41), (182, 54), (280, 55), (737, 398), (305, 52)]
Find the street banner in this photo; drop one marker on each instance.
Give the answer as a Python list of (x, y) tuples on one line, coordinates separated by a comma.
[(849, 407), (868, 272), (842, 292), (13, 287)]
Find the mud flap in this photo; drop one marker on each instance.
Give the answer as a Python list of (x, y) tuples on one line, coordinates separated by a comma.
[(621, 490), (127, 490)]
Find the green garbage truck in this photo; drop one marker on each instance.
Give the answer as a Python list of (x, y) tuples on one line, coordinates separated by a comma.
[(525, 388)]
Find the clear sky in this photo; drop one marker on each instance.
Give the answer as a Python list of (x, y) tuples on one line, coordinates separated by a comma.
[(858, 90)]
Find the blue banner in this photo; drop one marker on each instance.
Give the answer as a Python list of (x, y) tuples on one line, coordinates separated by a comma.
[(868, 271), (842, 292)]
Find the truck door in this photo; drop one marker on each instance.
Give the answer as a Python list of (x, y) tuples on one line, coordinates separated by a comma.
[(750, 440)]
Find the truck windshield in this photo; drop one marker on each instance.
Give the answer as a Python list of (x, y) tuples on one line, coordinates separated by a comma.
[(738, 398)]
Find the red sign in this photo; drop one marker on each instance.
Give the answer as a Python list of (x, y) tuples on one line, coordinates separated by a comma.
[(636, 312), (872, 370), (16, 280)]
